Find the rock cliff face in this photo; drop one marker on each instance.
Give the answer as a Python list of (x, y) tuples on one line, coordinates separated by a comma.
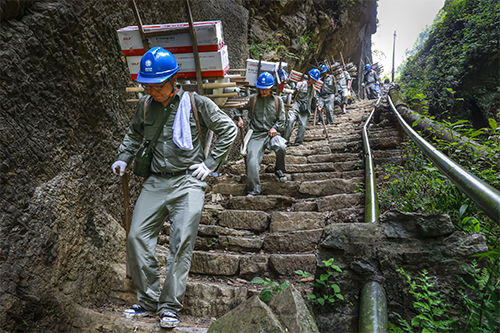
[(62, 116), (310, 31)]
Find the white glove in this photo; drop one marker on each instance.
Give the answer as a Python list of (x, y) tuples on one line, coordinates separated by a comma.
[(119, 164), (201, 171)]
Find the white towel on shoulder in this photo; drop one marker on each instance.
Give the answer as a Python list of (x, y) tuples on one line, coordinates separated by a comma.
[(182, 128)]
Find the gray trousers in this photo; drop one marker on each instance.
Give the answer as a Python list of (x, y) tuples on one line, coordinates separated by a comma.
[(256, 148), (327, 103), (293, 116), (181, 199), (371, 91), (341, 98)]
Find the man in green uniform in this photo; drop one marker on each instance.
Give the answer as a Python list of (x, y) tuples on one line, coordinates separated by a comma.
[(301, 108), (343, 90), (267, 120), (326, 95), (176, 186), (370, 81)]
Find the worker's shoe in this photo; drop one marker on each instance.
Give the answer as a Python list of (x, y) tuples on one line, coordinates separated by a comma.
[(320, 123), (297, 144), (281, 176), (136, 311), (169, 319)]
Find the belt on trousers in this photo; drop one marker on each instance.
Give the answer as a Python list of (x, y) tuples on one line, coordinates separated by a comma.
[(173, 174)]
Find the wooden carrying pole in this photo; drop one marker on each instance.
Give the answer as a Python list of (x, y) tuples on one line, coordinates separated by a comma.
[(194, 41), (139, 24), (126, 205)]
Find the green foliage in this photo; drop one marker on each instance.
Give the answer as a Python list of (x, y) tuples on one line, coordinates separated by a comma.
[(269, 46), (306, 44), (481, 299), (431, 307), (273, 287), (325, 281), (463, 40), (419, 186)]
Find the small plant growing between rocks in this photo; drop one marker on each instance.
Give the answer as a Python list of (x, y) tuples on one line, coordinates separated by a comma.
[(432, 309), (273, 287), (324, 281)]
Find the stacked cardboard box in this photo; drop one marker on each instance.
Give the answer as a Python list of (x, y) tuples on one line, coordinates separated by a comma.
[(214, 60), (297, 77), (265, 66)]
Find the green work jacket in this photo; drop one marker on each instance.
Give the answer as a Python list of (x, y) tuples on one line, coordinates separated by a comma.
[(329, 86), (342, 82), (264, 114), (371, 77), (167, 157), (304, 97)]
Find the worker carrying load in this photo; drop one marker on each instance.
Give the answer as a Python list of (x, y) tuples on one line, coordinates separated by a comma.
[(326, 96), (343, 89), (266, 115), (173, 124), (370, 82), (301, 107)]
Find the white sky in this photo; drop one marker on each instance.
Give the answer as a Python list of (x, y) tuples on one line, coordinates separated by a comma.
[(408, 18)]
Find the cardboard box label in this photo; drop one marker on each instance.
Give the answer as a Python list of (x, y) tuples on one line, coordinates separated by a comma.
[(212, 64)]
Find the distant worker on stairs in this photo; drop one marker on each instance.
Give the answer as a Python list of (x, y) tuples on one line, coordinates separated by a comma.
[(176, 184), (266, 114), (369, 81), (343, 90), (301, 108), (326, 97)]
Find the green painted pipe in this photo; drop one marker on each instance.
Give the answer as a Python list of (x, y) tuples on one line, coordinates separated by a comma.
[(373, 309), (484, 195)]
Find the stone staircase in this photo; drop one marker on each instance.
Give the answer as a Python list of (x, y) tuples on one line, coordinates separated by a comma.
[(276, 233)]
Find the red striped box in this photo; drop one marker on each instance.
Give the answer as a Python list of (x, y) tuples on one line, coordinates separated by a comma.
[(295, 76), (213, 64), (208, 34), (317, 85)]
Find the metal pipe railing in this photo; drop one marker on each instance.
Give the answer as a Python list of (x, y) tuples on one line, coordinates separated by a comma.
[(373, 317), (371, 197), (373, 301), (484, 195)]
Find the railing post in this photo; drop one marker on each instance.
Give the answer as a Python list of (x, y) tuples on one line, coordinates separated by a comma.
[(373, 309)]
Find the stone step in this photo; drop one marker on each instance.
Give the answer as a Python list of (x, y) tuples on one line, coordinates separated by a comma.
[(339, 201), (300, 177), (337, 157), (295, 189), (265, 203), (323, 167), (112, 320), (248, 266), (321, 188)]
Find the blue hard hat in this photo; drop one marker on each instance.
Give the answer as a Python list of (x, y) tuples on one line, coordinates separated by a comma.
[(157, 65), (265, 81), (336, 63), (283, 75), (322, 69), (367, 67), (314, 74)]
